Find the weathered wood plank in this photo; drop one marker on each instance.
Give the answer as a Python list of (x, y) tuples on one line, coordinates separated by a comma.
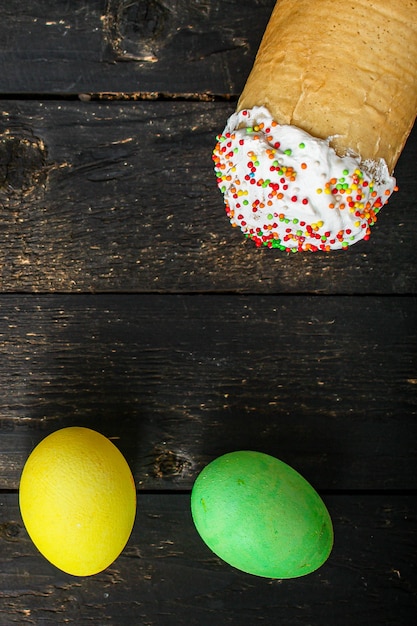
[(175, 47), (122, 197), (326, 384), (167, 577)]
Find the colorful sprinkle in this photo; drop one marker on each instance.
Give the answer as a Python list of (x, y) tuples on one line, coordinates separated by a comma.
[(270, 201)]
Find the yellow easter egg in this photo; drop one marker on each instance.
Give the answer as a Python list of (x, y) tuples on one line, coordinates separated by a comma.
[(78, 500)]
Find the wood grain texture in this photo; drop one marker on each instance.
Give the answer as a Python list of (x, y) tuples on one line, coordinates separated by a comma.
[(326, 384), (122, 197), (129, 304), (147, 47), (166, 576)]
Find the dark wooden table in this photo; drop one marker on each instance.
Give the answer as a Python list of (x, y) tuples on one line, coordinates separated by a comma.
[(129, 304)]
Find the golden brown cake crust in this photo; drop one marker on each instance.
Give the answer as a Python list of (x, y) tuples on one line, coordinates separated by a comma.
[(341, 68)]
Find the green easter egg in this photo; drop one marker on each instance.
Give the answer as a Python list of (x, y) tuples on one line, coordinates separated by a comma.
[(261, 516)]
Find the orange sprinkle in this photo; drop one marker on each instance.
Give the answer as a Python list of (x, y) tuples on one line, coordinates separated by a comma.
[(303, 166)]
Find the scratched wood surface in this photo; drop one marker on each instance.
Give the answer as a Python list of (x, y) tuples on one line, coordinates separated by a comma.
[(329, 386), (129, 304), (122, 197), (151, 48), (166, 576)]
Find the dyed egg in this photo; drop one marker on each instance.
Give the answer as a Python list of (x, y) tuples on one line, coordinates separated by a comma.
[(261, 516), (78, 500)]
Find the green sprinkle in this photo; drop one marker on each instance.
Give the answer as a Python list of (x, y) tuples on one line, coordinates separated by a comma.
[(249, 129), (295, 220), (301, 145), (345, 172), (270, 216), (299, 233), (246, 202), (288, 151)]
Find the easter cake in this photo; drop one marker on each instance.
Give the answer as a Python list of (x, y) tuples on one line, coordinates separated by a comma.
[(306, 162)]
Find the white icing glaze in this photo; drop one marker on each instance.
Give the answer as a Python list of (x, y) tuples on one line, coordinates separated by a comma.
[(286, 189)]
